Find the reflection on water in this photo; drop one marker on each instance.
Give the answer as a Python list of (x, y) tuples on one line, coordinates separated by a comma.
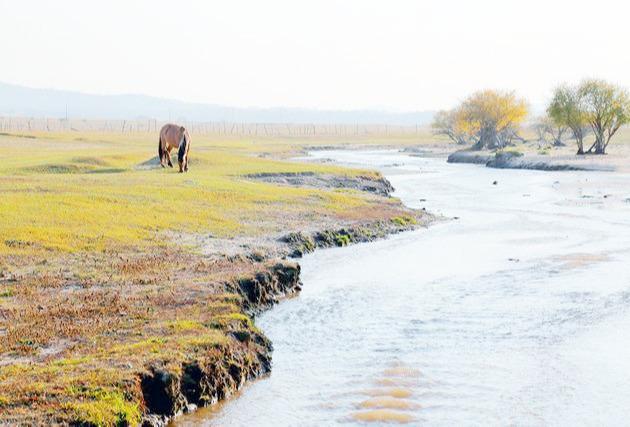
[(514, 314), (392, 399)]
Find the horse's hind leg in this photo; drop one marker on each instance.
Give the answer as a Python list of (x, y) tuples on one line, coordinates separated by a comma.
[(161, 152), (168, 156), (184, 163)]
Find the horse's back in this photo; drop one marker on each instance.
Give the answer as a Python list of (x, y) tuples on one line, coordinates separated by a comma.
[(171, 134)]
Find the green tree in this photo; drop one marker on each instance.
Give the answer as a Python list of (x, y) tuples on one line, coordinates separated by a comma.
[(606, 107), (594, 105), (566, 110)]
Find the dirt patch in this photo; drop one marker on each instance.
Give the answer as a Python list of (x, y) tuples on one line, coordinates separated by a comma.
[(372, 184), (152, 163)]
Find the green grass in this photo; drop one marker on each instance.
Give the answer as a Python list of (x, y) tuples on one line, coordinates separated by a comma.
[(63, 194), (103, 408), (403, 220), (342, 239)]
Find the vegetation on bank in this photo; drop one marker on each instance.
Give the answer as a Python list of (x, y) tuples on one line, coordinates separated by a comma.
[(487, 119), (493, 119), (100, 289)]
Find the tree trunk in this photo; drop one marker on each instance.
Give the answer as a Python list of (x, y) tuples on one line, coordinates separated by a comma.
[(599, 144), (580, 145)]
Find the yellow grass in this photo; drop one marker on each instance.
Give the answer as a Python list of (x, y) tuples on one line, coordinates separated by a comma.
[(82, 192)]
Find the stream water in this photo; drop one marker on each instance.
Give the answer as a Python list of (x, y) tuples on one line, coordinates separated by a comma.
[(515, 313)]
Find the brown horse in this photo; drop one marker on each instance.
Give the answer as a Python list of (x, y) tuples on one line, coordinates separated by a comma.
[(174, 136)]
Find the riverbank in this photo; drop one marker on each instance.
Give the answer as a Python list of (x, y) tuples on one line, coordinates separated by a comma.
[(516, 160), (127, 292), (531, 155)]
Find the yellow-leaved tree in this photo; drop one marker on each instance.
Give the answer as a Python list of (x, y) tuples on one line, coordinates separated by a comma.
[(487, 119)]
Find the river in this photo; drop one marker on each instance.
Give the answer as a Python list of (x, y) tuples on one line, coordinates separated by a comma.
[(514, 311)]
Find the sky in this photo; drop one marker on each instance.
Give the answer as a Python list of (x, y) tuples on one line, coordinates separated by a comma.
[(395, 55)]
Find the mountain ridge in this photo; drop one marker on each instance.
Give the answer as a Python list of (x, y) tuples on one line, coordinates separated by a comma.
[(17, 100)]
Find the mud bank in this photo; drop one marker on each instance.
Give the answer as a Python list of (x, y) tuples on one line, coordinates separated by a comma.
[(303, 243), (514, 160), (217, 374), (472, 157), (208, 378), (372, 184)]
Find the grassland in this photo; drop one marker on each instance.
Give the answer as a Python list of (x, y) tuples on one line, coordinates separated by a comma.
[(92, 194), (111, 267), (100, 279)]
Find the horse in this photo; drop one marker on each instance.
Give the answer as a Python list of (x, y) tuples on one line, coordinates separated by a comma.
[(174, 136)]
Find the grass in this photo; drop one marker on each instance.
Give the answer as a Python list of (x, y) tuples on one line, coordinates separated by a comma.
[(105, 409), (342, 239), (54, 199), (403, 220), (100, 272), (92, 381)]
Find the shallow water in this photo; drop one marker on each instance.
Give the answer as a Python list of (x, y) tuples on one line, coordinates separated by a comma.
[(516, 313)]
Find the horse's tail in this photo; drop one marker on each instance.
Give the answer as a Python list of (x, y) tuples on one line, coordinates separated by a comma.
[(161, 151), (181, 153)]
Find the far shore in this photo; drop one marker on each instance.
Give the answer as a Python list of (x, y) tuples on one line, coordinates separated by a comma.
[(516, 160), (535, 155)]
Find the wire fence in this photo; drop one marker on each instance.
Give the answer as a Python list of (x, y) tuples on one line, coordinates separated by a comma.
[(33, 124)]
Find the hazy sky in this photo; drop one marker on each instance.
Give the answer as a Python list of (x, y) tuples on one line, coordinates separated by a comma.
[(394, 54)]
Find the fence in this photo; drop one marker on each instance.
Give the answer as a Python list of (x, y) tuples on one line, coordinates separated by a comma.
[(32, 124)]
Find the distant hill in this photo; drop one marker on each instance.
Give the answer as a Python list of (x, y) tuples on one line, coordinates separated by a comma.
[(30, 102)]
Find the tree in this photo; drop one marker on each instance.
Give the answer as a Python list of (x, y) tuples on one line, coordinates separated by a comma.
[(606, 108), (566, 110), (549, 132), (594, 105), (447, 123), (491, 119)]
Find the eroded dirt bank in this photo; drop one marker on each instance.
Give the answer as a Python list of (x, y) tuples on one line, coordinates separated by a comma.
[(218, 374), (373, 184), (207, 378)]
